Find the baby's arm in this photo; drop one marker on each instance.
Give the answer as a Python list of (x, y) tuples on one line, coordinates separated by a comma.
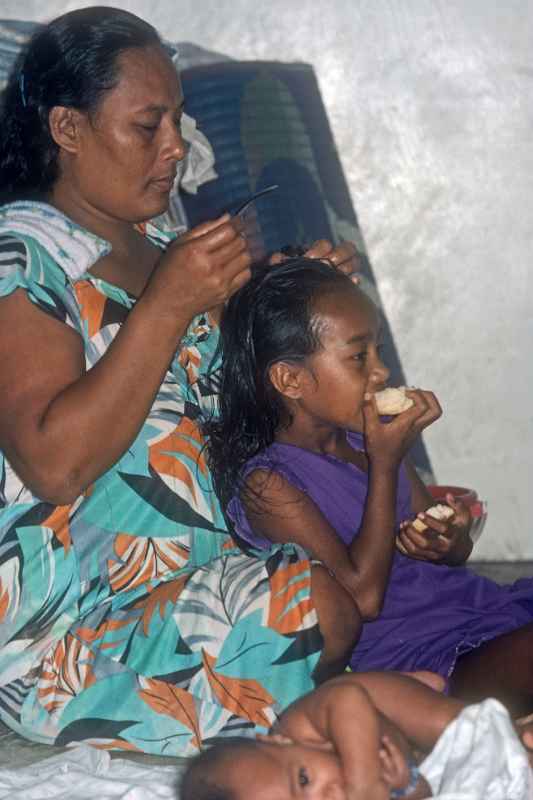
[(331, 712), (420, 712), (341, 717)]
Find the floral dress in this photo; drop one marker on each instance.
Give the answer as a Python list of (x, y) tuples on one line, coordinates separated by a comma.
[(130, 619)]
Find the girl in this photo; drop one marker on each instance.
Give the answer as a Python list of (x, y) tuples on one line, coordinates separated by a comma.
[(300, 455)]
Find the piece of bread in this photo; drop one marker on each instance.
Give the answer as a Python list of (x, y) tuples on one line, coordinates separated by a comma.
[(440, 512), (393, 401)]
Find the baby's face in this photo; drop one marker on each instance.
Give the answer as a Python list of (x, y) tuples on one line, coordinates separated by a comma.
[(276, 771), (279, 769)]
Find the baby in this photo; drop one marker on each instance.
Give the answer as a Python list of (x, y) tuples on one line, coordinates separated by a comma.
[(356, 736), (362, 736)]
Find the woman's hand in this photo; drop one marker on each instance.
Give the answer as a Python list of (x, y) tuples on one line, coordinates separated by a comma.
[(388, 442), (201, 269), (443, 541), (343, 256)]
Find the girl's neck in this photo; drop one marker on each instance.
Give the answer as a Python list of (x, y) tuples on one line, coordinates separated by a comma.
[(317, 438)]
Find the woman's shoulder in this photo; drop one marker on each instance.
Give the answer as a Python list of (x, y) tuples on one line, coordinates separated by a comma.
[(38, 231)]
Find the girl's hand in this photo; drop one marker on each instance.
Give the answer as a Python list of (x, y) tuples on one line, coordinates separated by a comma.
[(201, 269), (443, 541), (388, 442)]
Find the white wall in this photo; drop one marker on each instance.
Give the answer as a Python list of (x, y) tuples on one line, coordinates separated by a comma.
[(431, 105)]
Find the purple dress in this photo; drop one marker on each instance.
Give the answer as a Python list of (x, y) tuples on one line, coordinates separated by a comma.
[(431, 613)]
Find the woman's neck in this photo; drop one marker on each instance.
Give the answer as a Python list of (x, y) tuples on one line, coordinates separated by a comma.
[(117, 232), (132, 258)]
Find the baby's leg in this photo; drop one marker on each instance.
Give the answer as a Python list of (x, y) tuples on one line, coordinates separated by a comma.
[(501, 668), (339, 621)]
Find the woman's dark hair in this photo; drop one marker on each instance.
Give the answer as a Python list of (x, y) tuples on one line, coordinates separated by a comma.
[(70, 62), (270, 319), (198, 781)]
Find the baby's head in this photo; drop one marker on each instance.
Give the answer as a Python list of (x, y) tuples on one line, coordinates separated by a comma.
[(270, 768), (297, 336), (275, 768)]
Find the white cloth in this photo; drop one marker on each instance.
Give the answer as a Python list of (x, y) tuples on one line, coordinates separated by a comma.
[(90, 774), (479, 757)]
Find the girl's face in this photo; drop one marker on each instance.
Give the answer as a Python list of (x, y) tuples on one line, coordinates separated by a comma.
[(337, 376), (126, 154)]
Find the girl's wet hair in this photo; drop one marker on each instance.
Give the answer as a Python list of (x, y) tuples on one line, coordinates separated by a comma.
[(72, 62), (270, 319)]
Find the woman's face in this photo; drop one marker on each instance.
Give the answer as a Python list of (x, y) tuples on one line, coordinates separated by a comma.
[(125, 162)]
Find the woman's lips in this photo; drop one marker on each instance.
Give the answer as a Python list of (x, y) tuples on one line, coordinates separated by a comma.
[(164, 183)]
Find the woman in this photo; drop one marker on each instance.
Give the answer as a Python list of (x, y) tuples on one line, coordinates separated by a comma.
[(128, 615)]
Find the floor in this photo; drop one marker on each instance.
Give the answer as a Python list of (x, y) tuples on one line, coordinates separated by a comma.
[(503, 571), (16, 752)]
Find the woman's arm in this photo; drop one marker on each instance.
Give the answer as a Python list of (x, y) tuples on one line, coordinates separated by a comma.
[(61, 427)]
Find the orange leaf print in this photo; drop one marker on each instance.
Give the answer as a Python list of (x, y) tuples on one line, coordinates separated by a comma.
[(172, 702), (178, 442), (113, 744), (58, 521), (142, 559), (242, 696), (283, 616), (4, 602), (92, 303), (91, 635), (65, 673), (189, 360), (164, 593)]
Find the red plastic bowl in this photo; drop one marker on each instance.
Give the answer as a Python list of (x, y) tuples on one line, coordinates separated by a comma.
[(467, 496)]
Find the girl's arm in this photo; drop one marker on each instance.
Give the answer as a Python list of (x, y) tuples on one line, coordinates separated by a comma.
[(282, 513), (279, 512)]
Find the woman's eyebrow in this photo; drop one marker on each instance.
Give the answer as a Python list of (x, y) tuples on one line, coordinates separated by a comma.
[(159, 109)]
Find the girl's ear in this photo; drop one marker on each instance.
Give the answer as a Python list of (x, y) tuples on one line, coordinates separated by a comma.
[(65, 127), (286, 378)]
